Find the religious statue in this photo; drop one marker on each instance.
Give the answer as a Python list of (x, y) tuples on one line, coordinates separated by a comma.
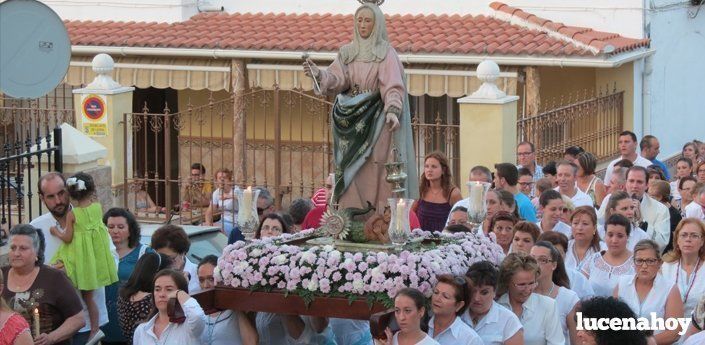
[(370, 115)]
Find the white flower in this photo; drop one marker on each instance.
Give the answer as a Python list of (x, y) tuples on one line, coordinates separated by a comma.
[(358, 284), (279, 259), (312, 285), (256, 252)]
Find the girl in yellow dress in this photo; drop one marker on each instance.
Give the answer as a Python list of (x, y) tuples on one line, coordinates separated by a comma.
[(85, 252)]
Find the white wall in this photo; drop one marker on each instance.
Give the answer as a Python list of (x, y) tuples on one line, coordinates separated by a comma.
[(677, 80)]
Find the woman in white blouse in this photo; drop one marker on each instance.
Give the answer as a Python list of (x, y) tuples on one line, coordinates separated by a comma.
[(409, 310), (649, 292), (578, 283), (553, 282), (223, 199), (495, 324), (685, 264), (538, 314), (603, 269), (159, 329), (448, 302), (552, 206), (621, 203), (585, 241)]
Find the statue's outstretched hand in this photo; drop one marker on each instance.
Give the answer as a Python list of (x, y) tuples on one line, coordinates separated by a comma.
[(393, 121), (310, 69)]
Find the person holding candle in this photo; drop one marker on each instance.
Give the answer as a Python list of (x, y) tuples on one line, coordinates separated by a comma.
[(437, 193), (32, 285), (14, 329)]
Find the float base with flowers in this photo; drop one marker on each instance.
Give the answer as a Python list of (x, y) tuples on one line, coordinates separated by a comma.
[(293, 274)]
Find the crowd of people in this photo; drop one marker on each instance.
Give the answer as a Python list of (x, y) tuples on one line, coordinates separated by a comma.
[(626, 246)]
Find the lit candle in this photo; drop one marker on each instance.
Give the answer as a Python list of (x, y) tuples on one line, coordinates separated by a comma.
[(401, 205), (246, 208), (476, 192), (36, 322)]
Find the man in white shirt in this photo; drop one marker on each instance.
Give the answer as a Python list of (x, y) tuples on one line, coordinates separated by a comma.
[(478, 173), (565, 176), (654, 213), (627, 149), (696, 209), (53, 193)]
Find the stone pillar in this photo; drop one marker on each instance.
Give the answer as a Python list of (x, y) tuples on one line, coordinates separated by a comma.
[(78, 153), (488, 124), (239, 85), (100, 109)]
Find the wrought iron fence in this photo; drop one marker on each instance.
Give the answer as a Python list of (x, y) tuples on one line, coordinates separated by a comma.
[(593, 123), (286, 148), (20, 168)]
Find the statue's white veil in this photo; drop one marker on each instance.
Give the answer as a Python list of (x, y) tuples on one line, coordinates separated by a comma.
[(371, 49)]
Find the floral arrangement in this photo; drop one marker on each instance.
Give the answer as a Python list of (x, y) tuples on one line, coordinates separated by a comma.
[(269, 265)]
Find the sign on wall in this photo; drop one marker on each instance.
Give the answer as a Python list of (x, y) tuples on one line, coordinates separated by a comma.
[(94, 117)]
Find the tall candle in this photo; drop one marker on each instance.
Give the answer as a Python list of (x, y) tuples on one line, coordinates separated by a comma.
[(36, 322), (246, 208), (401, 205), (476, 192)]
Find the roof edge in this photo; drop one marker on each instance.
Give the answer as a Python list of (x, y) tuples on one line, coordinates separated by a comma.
[(598, 62)]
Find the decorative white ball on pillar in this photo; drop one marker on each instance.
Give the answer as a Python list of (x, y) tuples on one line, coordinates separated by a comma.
[(103, 66), (488, 73)]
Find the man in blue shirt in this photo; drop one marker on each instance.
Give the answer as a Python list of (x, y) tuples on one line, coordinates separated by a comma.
[(650, 148), (506, 177)]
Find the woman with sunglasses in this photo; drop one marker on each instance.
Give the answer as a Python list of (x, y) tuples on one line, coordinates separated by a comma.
[(554, 282), (448, 302), (685, 264), (538, 314), (648, 291)]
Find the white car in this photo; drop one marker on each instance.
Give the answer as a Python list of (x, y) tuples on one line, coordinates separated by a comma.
[(205, 240)]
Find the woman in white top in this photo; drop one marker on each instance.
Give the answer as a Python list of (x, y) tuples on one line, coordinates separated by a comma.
[(685, 264), (409, 310), (649, 292), (553, 282), (494, 323), (684, 167), (587, 181), (224, 327), (621, 203), (603, 269), (586, 241), (159, 329), (448, 302), (538, 314), (525, 235), (578, 283), (223, 199), (552, 206), (502, 224), (496, 201)]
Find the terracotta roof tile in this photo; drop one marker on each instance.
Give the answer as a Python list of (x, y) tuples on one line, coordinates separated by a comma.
[(418, 34)]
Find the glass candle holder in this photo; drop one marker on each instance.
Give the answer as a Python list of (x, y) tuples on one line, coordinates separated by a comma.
[(247, 217), (399, 228), (477, 207)]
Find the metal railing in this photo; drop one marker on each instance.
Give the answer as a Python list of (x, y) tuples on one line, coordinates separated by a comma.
[(593, 123)]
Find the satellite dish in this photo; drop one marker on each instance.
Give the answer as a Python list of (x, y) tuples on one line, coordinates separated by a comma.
[(35, 49)]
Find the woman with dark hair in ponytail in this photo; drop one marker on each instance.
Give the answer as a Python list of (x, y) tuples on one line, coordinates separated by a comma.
[(554, 282), (410, 314), (135, 301)]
